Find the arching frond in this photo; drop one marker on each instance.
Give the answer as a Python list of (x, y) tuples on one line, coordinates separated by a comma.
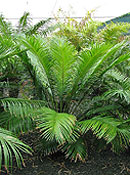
[(10, 146), (122, 139), (21, 107), (39, 28), (56, 126), (119, 85), (16, 124), (76, 150), (47, 147), (108, 128), (64, 56), (102, 109), (20, 114), (90, 65), (24, 22), (105, 127), (117, 61), (38, 49), (39, 58), (5, 28)]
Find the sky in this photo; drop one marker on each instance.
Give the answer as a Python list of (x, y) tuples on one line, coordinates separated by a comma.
[(14, 9)]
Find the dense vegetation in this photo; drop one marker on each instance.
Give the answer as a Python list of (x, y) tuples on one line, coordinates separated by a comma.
[(71, 81)]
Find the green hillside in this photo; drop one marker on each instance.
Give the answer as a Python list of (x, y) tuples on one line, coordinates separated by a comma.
[(123, 18)]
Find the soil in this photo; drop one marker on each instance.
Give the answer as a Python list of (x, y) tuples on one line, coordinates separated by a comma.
[(103, 163)]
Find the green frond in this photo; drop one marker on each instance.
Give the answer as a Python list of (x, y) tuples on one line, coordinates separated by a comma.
[(56, 126), (75, 133), (24, 21), (16, 124), (54, 65), (122, 93), (39, 49), (105, 127), (5, 28), (21, 107), (103, 109), (122, 140), (64, 56), (89, 60), (25, 25), (109, 128), (38, 56), (117, 61), (47, 147), (39, 28), (20, 114), (117, 75), (7, 48), (119, 85), (76, 150), (10, 146), (90, 63), (8, 53)]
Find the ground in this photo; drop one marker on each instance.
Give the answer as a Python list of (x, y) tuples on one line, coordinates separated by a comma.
[(103, 163)]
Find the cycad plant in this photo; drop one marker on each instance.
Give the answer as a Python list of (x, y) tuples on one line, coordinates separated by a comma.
[(72, 96)]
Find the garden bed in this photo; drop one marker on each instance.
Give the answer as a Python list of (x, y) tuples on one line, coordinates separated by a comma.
[(103, 163)]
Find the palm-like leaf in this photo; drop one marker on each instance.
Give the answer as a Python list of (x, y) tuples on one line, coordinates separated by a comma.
[(53, 66), (64, 56), (20, 114), (118, 86), (16, 124), (47, 147), (25, 25), (56, 126), (5, 28), (40, 28), (10, 146), (76, 150), (38, 49), (121, 140), (38, 57), (102, 109), (7, 44), (92, 59), (108, 128), (90, 66), (21, 107)]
